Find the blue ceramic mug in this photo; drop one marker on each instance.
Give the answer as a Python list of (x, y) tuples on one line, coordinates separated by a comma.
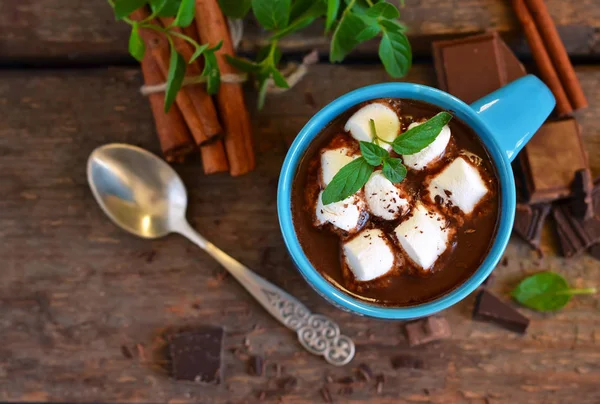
[(505, 120)]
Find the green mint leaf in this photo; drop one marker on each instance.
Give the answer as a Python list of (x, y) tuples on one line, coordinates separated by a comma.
[(546, 291), (186, 13), (165, 8), (395, 53), (394, 170), (262, 92), (243, 65), (235, 8), (137, 49), (305, 19), (344, 37), (416, 139), (299, 7), (125, 7), (370, 32), (333, 6), (373, 154), (272, 14), (211, 72), (392, 26), (198, 52), (175, 78), (347, 181), (383, 10), (217, 46), (278, 78)]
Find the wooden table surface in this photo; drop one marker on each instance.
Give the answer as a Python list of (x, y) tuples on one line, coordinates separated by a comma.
[(78, 295)]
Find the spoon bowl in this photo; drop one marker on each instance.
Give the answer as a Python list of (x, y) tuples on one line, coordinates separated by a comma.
[(137, 190)]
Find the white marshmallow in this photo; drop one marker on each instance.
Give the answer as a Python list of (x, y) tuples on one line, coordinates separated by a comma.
[(349, 214), (383, 198), (460, 183), (423, 236), (429, 154), (332, 161), (386, 120), (369, 255)]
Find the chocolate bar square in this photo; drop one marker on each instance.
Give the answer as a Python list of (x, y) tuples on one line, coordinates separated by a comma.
[(551, 159), (470, 67), (197, 355)]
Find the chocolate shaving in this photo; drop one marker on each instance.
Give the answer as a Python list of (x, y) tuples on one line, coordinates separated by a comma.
[(491, 309), (575, 235), (407, 361), (126, 352), (326, 395), (256, 365), (365, 371)]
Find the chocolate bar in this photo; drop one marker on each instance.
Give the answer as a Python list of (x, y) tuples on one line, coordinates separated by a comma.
[(551, 159), (196, 355), (529, 221), (427, 330), (489, 308)]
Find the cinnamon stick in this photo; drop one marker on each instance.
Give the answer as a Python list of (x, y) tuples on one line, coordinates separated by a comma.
[(202, 101), (214, 159), (174, 137), (558, 53), (541, 57), (212, 28), (189, 99)]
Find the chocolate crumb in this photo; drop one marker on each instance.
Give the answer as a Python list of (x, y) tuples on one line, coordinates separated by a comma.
[(326, 395), (365, 371), (380, 380), (504, 262), (346, 380), (288, 383), (448, 193), (126, 352), (256, 365), (407, 361)]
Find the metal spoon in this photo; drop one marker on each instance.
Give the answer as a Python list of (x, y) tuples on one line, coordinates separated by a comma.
[(143, 195)]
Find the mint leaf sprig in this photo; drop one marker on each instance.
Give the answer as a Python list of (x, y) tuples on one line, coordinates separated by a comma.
[(354, 175), (546, 291)]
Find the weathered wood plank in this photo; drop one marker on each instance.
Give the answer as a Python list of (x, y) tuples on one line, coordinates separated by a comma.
[(62, 31), (75, 289)]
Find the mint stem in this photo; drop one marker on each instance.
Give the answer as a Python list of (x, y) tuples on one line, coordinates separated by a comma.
[(585, 291)]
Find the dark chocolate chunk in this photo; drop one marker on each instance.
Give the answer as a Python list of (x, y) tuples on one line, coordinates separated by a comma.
[(529, 222), (426, 330), (575, 235), (196, 355), (546, 178), (256, 365), (470, 67), (581, 203), (491, 309), (407, 361)]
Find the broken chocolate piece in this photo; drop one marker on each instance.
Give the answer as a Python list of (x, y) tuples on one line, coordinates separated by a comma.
[(365, 371), (529, 222), (575, 235), (491, 309), (196, 355), (581, 203), (326, 395), (551, 159), (427, 330), (470, 67)]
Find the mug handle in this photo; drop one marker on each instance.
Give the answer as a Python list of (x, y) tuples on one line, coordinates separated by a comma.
[(515, 112)]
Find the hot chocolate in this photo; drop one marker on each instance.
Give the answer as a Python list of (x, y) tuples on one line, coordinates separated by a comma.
[(396, 241)]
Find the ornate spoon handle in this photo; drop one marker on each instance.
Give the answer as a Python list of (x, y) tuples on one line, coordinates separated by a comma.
[(317, 334)]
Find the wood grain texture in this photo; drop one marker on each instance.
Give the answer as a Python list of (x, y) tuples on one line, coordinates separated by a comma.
[(77, 294), (86, 31)]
